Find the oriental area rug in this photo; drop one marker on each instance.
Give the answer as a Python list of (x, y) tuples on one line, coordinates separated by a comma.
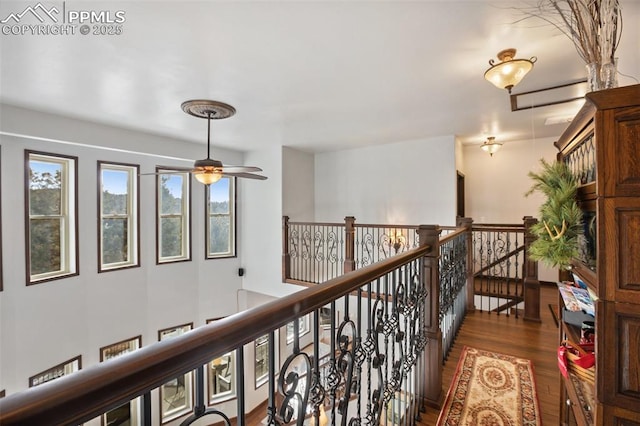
[(494, 389)]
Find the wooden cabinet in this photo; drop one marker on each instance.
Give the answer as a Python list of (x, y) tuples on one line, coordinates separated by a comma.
[(602, 148)]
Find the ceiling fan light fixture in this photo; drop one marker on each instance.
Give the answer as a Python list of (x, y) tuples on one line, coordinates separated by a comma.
[(207, 177), (491, 146), (509, 71)]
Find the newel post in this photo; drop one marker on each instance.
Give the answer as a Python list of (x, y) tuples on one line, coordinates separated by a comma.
[(349, 245), (430, 235), (467, 223), (286, 257), (531, 283)]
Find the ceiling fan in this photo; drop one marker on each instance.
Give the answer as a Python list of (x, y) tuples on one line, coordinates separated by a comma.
[(208, 171)]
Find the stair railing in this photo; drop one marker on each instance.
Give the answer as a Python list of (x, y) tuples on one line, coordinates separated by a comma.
[(505, 277), (380, 360)]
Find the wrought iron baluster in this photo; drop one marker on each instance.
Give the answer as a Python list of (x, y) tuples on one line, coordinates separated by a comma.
[(294, 390), (200, 409), (316, 391)]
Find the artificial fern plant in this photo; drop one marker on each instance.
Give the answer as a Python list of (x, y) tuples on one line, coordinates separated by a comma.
[(560, 225)]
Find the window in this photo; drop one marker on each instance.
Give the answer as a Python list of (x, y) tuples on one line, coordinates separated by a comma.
[(262, 359), (222, 378), (303, 328), (128, 413), (51, 234), (58, 371), (220, 220), (221, 373), (261, 345), (176, 396), (173, 222), (119, 219)]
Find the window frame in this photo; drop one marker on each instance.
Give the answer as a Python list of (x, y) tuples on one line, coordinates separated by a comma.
[(259, 381), (303, 328), (133, 204), (217, 398), (232, 221), (69, 245), (189, 384), (136, 402), (185, 215), (56, 367)]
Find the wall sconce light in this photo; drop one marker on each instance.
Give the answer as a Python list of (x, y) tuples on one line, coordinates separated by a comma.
[(397, 240), (508, 72), (491, 146), (323, 420)]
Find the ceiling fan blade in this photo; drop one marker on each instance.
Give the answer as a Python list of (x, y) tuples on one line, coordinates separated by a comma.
[(244, 175), (239, 169)]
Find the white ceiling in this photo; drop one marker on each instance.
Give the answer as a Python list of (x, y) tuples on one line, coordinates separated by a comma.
[(318, 76)]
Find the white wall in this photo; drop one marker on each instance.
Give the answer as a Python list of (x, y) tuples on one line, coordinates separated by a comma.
[(495, 186), (411, 183), (460, 159), (45, 324), (298, 185), (261, 238)]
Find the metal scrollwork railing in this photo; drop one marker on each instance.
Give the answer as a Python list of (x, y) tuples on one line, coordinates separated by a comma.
[(499, 259), (363, 361), (376, 242), (364, 378), (316, 251), (453, 280)]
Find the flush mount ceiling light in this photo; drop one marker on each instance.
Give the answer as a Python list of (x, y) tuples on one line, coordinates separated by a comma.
[(491, 146), (508, 72)]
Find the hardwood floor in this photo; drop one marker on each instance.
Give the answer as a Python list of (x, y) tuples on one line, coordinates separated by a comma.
[(499, 333)]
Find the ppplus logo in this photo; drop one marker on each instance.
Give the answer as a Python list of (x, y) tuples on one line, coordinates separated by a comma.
[(39, 11), (62, 20)]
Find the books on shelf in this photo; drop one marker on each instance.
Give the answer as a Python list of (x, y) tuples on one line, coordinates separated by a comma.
[(576, 299)]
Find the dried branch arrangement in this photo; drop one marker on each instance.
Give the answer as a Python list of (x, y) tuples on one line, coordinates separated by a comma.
[(594, 26)]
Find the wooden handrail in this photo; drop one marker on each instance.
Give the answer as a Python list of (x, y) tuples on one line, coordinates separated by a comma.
[(86, 394), (318, 223), (498, 225), (452, 235), (379, 226)]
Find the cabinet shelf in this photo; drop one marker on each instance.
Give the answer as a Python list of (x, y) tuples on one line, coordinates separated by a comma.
[(601, 148)]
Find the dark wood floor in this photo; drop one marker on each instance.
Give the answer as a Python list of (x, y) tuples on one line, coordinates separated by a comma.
[(499, 333)]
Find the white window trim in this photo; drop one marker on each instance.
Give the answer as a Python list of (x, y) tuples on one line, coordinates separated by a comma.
[(135, 404), (67, 216), (177, 412), (303, 328), (53, 373), (211, 372), (264, 378), (185, 215), (132, 216), (232, 222)]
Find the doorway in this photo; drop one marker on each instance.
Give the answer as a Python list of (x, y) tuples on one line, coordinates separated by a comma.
[(459, 194)]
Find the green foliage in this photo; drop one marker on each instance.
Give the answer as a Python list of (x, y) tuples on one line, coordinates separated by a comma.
[(560, 220), (171, 227), (45, 225)]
